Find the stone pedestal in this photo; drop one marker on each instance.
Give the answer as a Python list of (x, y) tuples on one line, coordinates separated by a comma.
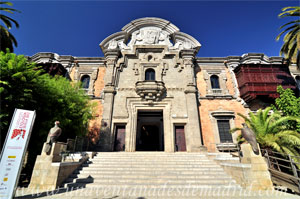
[(56, 149), (49, 172), (258, 178)]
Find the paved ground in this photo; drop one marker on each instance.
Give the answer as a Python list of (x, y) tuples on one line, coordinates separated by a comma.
[(132, 193)]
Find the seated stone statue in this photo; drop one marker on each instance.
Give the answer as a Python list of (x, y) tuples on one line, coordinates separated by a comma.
[(53, 135)]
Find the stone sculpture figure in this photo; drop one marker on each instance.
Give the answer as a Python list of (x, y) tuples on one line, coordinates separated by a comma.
[(249, 135), (53, 135)]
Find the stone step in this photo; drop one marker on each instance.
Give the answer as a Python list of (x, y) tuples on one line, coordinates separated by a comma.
[(156, 172), (148, 178), (218, 154), (150, 175), (132, 165), (153, 157), (149, 170), (152, 181), (150, 167), (150, 160), (124, 187), (153, 153), (136, 154)]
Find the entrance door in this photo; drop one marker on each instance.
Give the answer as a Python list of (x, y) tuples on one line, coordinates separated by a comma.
[(149, 138), (180, 138), (120, 138), (150, 131)]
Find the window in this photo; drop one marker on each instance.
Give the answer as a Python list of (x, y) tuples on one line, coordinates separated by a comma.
[(85, 80), (224, 127), (214, 80), (150, 75)]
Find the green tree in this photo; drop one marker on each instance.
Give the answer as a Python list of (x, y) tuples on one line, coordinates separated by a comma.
[(289, 105), (271, 131), (24, 85), (18, 78), (7, 39), (291, 46)]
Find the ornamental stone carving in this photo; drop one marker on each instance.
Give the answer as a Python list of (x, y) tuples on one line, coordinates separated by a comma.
[(123, 46), (150, 35), (112, 45), (150, 90)]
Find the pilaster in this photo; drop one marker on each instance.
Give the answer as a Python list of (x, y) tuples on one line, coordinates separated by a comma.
[(106, 131), (193, 132)]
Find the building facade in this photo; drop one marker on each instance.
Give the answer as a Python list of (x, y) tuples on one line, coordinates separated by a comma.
[(154, 94)]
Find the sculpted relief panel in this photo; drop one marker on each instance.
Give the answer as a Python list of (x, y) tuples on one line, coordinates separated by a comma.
[(150, 35)]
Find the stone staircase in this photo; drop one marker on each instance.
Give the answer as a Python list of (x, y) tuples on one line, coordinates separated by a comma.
[(155, 170), (154, 175)]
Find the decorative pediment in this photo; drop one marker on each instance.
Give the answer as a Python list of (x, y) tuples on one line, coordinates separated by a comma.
[(150, 31), (111, 42), (159, 23)]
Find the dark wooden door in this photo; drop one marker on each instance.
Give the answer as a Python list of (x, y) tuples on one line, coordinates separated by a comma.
[(180, 138), (120, 139)]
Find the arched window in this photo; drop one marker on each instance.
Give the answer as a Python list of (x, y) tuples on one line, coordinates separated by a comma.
[(150, 75), (85, 80), (214, 80)]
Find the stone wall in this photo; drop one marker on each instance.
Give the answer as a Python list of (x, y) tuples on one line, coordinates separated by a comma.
[(208, 123), (97, 84), (95, 124), (222, 104)]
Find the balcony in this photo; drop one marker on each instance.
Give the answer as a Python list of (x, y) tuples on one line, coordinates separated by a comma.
[(261, 80), (150, 90)]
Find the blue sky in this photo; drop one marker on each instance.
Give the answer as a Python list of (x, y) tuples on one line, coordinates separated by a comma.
[(224, 28)]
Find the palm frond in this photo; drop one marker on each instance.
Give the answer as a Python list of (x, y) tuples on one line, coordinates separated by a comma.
[(6, 3), (291, 46), (244, 117), (266, 113), (7, 21), (10, 10), (286, 30), (289, 23), (234, 130), (282, 120), (287, 151), (290, 11)]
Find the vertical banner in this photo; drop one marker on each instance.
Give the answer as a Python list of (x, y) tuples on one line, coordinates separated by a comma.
[(14, 150)]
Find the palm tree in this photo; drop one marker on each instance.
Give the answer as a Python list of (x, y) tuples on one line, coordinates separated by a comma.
[(291, 46), (6, 38), (271, 131)]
